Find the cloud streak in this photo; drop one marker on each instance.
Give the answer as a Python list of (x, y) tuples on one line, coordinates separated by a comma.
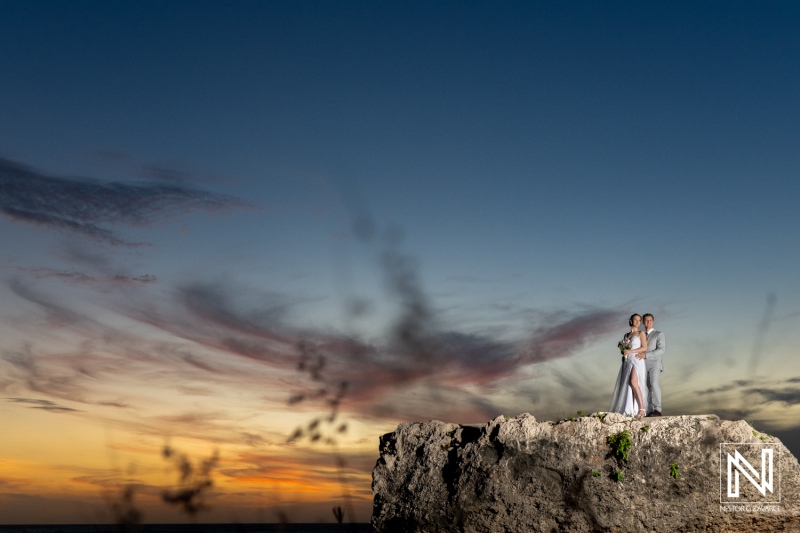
[(737, 384), (414, 354), (787, 395), (74, 276), (223, 321), (45, 405), (87, 207)]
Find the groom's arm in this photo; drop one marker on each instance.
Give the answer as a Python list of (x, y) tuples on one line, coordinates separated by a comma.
[(660, 348)]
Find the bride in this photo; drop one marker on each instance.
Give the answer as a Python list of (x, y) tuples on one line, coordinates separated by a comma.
[(630, 389)]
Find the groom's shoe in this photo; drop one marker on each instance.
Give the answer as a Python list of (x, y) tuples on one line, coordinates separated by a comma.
[(655, 413)]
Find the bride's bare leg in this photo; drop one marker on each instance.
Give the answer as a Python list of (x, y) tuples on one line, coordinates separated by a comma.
[(637, 392)]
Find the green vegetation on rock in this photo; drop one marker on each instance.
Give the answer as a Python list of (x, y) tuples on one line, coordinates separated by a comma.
[(620, 444)]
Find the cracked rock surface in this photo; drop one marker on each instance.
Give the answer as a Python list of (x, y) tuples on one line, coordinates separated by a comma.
[(513, 475)]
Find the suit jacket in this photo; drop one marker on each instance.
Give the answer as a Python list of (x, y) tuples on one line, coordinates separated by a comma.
[(656, 346)]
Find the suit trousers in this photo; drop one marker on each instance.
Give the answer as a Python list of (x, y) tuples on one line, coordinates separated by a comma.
[(654, 388)]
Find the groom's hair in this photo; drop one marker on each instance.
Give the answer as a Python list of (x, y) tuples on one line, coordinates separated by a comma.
[(648, 315)]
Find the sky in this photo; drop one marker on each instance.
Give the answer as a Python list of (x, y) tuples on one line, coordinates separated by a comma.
[(262, 234)]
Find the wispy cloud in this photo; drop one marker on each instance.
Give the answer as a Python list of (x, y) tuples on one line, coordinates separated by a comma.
[(739, 399), (87, 207), (567, 333), (94, 269), (441, 365), (415, 355), (57, 314), (74, 276), (45, 405), (737, 384), (787, 395)]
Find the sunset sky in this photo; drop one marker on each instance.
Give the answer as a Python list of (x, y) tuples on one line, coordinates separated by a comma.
[(409, 210)]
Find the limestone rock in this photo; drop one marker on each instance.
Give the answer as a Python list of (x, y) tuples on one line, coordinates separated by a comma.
[(518, 475)]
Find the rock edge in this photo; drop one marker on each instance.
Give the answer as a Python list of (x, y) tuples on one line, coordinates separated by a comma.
[(519, 474)]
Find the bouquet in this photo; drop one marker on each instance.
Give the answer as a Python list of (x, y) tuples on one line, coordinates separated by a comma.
[(624, 344)]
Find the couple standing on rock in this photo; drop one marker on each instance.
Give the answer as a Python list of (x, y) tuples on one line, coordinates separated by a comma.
[(638, 387)]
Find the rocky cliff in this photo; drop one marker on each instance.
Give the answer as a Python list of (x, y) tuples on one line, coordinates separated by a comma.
[(604, 472)]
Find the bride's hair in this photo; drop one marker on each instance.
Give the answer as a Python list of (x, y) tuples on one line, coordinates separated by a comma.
[(630, 320)]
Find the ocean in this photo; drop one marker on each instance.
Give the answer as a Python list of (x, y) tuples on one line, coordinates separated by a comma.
[(194, 528)]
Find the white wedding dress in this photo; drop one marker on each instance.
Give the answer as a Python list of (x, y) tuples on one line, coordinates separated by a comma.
[(623, 401)]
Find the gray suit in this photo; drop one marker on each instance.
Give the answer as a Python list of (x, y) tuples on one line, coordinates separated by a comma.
[(656, 346)]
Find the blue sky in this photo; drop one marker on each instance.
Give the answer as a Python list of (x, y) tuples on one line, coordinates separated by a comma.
[(193, 188)]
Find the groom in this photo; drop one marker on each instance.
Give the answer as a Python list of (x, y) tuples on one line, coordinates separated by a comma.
[(656, 345)]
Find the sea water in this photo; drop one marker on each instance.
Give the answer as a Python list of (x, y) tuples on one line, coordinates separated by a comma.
[(194, 528)]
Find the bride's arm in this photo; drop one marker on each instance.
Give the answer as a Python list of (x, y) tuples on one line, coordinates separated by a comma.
[(642, 348)]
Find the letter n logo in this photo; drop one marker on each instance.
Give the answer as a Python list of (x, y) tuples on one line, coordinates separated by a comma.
[(741, 478), (737, 462)]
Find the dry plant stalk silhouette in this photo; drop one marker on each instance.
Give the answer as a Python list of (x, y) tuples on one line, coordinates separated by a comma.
[(313, 362), (194, 484), (324, 428), (126, 516), (411, 339)]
